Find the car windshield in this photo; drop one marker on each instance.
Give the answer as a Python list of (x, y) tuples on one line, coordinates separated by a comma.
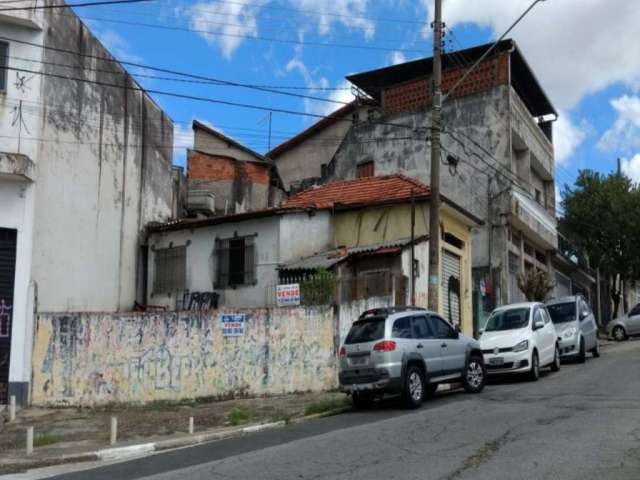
[(508, 320), (366, 330), (562, 312)]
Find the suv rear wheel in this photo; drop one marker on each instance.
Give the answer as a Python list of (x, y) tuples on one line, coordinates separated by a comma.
[(413, 387), (475, 375)]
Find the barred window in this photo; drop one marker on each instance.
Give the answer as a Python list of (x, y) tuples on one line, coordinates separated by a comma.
[(235, 262), (170, 270)]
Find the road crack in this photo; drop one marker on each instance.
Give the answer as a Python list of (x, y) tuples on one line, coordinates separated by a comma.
[(481, 456)]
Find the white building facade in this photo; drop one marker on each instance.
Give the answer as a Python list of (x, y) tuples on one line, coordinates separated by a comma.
[(85, 163)]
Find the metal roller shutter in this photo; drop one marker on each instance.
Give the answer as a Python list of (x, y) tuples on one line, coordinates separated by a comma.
[(7, 275), (451, 274)]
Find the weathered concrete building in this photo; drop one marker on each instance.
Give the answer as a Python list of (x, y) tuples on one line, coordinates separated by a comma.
[(86, 164), (227, 177), (498, 160)]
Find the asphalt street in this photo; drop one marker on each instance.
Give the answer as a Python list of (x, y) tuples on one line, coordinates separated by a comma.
[(582, 422)]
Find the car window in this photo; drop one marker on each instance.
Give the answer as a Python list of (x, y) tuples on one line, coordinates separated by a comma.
[(562, 312), (402, 328), (421, 327), (635, 310), (441, 328), (584, 309), (545, 314), (538, 316), (510, 319), (367, 330)]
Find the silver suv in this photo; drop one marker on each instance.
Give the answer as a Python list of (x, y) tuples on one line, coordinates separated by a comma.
[(408, 351)]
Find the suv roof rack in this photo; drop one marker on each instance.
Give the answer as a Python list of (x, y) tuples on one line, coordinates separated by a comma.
[(386, 311)]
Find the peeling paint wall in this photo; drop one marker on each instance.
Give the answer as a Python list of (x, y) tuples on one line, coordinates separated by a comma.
[(96, 358)]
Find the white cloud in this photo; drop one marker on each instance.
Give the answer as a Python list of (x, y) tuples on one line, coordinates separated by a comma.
[(347, 12), (227, 22), (117, 45), (567, 136), (631, 167), (396, 57), (624, 135), (576, 47)]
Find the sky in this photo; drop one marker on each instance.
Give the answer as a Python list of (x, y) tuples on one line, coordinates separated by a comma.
[(584, 53)]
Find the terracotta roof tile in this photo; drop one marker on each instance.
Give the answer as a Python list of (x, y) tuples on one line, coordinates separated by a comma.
[(362, 191)]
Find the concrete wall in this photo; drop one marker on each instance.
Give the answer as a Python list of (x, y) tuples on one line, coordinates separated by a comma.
[(304, 160), (94, 358), (104, 169), (206, 142)]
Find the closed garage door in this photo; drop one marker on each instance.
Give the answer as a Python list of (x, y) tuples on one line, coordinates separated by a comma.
[(563, 286), (451, 267), (7, 274)]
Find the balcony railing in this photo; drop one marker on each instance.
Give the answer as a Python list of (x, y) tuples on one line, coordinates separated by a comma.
[(534, 220)]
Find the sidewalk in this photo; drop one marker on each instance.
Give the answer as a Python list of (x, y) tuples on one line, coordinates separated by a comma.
[(69, 435)]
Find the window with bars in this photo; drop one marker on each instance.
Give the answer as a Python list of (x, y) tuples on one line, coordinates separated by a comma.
[(365, 169), (170, 270), (235, 262), (4, 63)]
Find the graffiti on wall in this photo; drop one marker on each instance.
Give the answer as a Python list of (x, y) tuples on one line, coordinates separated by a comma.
[(91, 358)]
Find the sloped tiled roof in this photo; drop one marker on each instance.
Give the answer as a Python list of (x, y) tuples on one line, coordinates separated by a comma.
[(359, 192)]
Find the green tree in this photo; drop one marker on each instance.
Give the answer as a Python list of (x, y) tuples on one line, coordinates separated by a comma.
[(601, 218)]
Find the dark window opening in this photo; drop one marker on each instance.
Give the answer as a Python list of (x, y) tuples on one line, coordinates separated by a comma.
[(451, 239), (4, 63), (365, 169), (235, 265)]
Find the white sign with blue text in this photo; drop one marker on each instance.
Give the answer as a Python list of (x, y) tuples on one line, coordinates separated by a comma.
[(233, 325)]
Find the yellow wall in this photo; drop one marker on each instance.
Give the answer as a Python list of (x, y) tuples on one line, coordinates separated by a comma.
[(383, 224)]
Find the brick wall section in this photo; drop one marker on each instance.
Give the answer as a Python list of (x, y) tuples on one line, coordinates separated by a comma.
[(415, 95), (202, 166)]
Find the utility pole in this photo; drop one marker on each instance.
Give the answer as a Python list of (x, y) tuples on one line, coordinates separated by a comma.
[(436, 114), (270, 117), (413, 249)]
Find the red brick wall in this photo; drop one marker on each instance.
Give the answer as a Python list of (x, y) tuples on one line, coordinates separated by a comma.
[(415, 95), (203, 166)]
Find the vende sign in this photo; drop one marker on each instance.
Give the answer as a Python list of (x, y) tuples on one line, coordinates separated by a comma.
[(288, 295), (233, 325)]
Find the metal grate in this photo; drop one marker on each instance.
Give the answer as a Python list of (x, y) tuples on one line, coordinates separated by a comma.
[(235, 262), (170, 270), (8, 239)]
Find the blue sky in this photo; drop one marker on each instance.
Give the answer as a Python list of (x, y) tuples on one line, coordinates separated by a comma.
[(585, 54)]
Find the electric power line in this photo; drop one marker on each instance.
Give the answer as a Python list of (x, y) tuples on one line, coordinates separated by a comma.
[(71, 5)]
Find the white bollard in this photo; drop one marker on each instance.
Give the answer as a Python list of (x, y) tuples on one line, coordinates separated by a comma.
[(191, 426), (29, 440), (12, 408), (114, 430)]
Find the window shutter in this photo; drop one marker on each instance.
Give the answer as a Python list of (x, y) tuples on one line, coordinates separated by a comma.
[(249, 261), (222, 263)]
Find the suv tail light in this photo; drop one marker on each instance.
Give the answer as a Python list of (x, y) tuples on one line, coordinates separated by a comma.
[(385, 346), (343, 352)]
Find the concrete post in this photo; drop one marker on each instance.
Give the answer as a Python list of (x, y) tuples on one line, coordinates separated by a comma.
[(114, 431), (29, 440), (12, 408), (191, 429)]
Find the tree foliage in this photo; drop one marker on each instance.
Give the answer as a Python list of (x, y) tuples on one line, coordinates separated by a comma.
[(602, 219), (535, 285)]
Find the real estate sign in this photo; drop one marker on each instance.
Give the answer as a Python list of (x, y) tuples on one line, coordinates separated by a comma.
[(288, 295), (233, 325)]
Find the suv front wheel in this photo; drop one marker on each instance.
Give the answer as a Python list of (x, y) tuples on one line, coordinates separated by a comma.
[(475, 375), (413, 387)]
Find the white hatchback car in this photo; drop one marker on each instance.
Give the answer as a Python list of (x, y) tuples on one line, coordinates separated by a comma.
[(520, 338)]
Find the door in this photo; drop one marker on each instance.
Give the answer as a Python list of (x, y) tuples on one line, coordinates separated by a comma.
[(452, 350), (427, 344), (7, 276), (545, 336), (451, 267), (587, 322), (634, 321)]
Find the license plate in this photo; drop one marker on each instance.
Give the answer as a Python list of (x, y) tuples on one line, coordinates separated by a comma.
[(359, 361), (496, 361)]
